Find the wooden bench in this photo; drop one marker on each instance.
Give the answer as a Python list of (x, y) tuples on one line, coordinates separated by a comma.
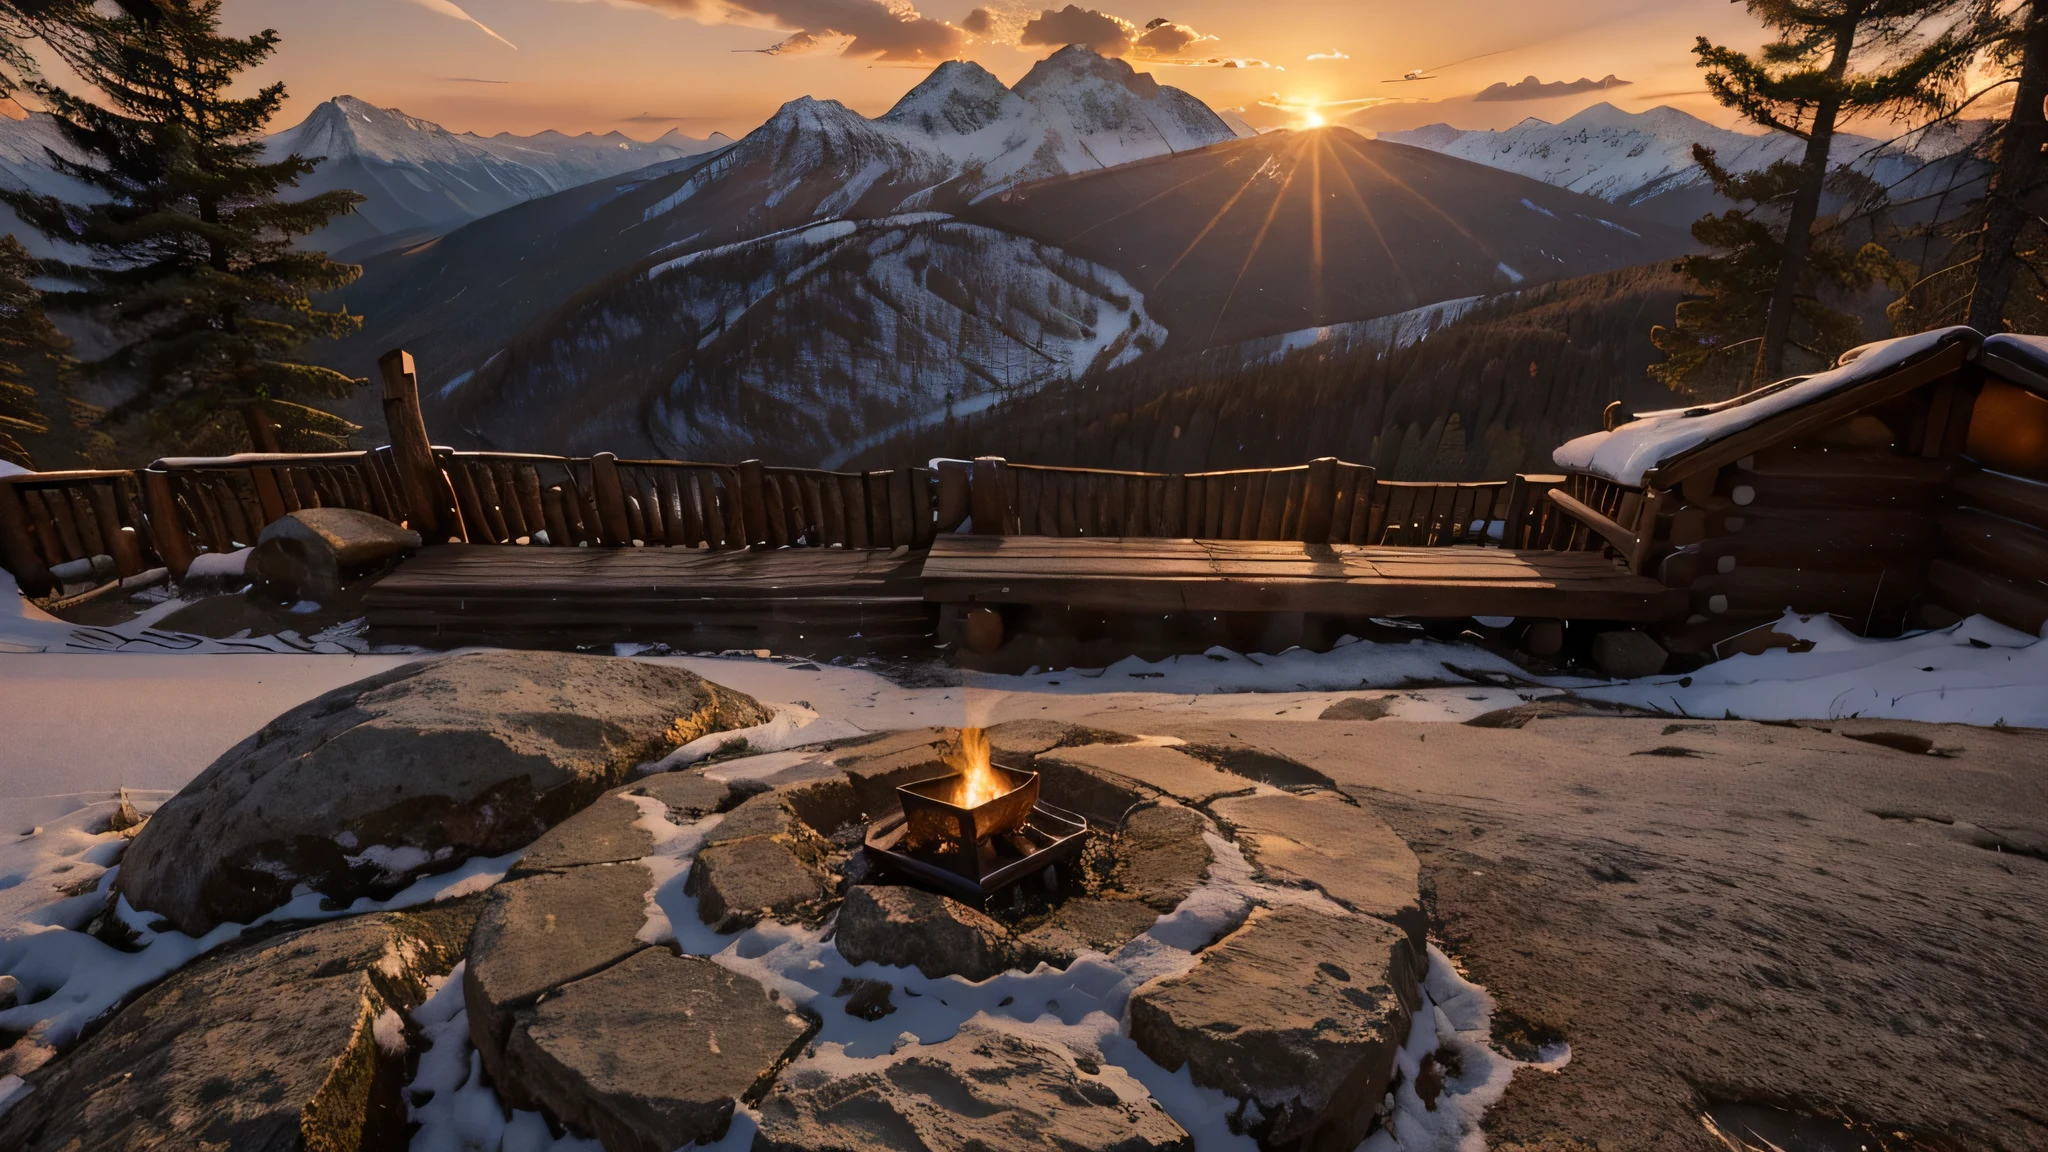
[(1126, 575)]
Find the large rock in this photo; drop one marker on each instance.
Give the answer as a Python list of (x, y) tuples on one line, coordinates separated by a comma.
[(307, 554), (651, 1054), (610, 831), (689, 795), (363, 790), (1161, 856), (288, 1042), (538, 933), (983, 1089), (1083, 924), (1321, 840), (1298, 1010), (911, 928)]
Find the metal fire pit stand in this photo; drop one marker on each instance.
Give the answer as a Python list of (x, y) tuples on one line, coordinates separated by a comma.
[(1054, 834)]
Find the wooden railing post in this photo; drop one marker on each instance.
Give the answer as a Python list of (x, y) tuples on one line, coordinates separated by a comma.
[(989, 497), (262, 430), (431, 501), (610, 498), (753, 502), (17, 550), (1319, 500), (166, 527)]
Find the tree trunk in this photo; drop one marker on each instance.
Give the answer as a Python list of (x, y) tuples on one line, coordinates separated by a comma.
[(1770, 357), (2019, 166)]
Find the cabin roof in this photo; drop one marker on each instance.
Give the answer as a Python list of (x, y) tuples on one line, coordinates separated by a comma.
[(1656, 439), (2022, 360)]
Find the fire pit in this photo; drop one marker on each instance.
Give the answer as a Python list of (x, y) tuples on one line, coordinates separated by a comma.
[(977, 830)]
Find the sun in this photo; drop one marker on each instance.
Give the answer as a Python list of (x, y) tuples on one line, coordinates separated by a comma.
[(1313, 119)]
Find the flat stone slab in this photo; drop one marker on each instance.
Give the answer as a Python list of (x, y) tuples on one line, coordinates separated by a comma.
[(690, 795), (1084, 924), (738, 882), (604, 833), (1161, 856), (653, 1053), (269, 1045), (1298, 1010), (912, 928), (540, 932), (983, 1089), (1322, 840), (1170, 771), (764, 815)]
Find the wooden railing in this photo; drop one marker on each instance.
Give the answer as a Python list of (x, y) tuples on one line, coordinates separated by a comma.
[(73, 528)]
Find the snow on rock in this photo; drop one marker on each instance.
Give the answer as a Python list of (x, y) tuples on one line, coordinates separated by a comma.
[(1653, 438)]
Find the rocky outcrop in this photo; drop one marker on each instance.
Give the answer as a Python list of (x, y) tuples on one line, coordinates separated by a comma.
[(912, 928), (1298, 1010), (652, 1053), (982, 1089), (288, 1042), (740, 881), (364, 790)]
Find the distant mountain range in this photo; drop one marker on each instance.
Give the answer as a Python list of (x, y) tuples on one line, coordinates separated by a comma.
[(1644, 159), (832, 279), (423, 180)]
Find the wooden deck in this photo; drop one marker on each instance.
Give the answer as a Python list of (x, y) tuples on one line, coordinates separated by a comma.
[(1154, 575), (694, 599)]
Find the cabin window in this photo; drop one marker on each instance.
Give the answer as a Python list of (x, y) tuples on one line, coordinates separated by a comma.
[(2009, 430)]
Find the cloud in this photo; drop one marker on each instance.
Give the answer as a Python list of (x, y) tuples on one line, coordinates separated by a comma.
[(1533, 89), (870, 29), (1106, 34), (1330, 55), (472, 80), (1111, 35), (448, 8), (979, 22)]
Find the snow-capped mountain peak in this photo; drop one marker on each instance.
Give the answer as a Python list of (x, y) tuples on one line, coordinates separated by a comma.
[(959, 98)]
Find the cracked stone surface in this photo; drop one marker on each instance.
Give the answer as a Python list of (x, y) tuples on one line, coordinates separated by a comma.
[(1299, 1010), (1161, 855), (983, 1089), (539, 932), (604, 833), (1173, 772), (912, 928), (1322, 840), (737, 882), (651, 1054), (690, 795)]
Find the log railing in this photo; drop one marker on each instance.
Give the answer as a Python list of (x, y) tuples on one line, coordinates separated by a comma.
[(59, 529)]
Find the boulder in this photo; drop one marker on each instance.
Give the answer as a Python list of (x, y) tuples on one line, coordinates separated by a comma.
[(538, 933), (983, 1089), (1628, 655), (363, 790), (911, 928), (1161, 856), (1321, 840), (1297, 1010), (308, 554), (285, 1042), (737, 882), (652, 1053), (866, 999)]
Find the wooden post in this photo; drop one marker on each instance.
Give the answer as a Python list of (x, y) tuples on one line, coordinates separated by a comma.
[(18, 550), (610, 498), (427, 495), (753, 503), (989, 496), (1319, 500), (262, 430), (952, 494), (166, 528)]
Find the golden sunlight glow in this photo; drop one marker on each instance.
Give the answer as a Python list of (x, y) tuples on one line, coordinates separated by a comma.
[(1313, 119), (981, 784)]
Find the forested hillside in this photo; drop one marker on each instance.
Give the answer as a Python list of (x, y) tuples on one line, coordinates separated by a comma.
[(1482, 398)]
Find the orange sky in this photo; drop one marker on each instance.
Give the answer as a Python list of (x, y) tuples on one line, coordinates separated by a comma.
[(643, 66)]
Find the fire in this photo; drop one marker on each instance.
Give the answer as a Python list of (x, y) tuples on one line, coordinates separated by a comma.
[(981, 784)]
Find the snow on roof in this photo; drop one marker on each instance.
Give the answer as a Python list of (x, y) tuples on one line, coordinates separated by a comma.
[(2023, 360), (1653, 438)]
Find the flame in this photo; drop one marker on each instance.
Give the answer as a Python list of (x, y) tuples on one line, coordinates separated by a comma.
[(980, 784)]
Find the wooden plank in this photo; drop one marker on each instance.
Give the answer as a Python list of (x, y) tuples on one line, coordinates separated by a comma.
[(87, 522), (476, 527), (1319, 500), (121, 545), (832, 507), (989, 497), (853, 491), (774, 510), (505, 478), (268, 495), (610, 498), (754, 504), (428, 499), (953, 495), (2010, 496), (1068, 520), (1623, 540), (18, 550), (1030, 499), (1995, 544), (880, 531), (921, 511), (577, 507), (902, 527), (554, 514), (1970, 592), (167, 533)]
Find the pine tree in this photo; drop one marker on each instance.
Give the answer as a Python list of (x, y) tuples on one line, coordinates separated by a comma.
[(65, 26), (30, 347), (1833, 59), (194, 276), (1710, 349)]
